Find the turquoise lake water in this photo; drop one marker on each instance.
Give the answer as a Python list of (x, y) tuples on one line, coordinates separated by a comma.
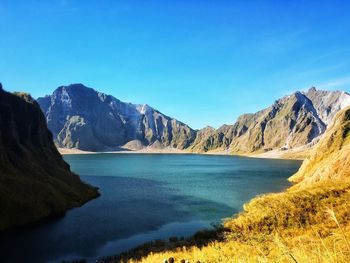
[(146, 197)]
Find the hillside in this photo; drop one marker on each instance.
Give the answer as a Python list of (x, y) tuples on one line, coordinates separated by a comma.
[(290, 123), (85, 119), (310, 222), (80, 117), (209, 139), (35, 182), (330, 160)]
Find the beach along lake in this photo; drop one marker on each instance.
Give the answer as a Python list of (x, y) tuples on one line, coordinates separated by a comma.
[(146, 197)]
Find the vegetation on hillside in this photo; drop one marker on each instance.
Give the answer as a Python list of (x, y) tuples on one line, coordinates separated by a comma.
[(308, 225)]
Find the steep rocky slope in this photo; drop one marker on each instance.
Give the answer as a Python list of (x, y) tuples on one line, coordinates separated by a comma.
[(35, 182), (328, 103), (291, 122), (331, 157), (209, 139), (80, 117)]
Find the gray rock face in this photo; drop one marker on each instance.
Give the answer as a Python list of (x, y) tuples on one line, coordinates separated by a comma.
[(80, 117), (209, 139), (328, 103), (292, 121)]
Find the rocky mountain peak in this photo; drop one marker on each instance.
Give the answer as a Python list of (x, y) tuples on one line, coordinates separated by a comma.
[(143, 108), (292, 121), (328, 103), (80, 117), (83, 118), (312, 89), (208, 128)]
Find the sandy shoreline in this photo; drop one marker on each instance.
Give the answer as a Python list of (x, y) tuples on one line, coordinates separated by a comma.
[(274, 154), (65, 151)]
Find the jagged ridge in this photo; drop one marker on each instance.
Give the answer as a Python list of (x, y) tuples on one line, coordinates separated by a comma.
[(79, 117), (293, 121)]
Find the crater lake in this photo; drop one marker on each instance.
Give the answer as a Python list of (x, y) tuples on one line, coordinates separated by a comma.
[(146, 197)]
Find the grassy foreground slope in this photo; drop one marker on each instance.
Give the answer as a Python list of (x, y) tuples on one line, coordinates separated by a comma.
[(310, 222)]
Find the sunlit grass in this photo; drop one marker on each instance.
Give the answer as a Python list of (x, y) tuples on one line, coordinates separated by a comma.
[(309, 225)]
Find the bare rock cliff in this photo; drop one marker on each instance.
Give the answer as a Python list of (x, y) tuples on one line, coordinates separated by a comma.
[(291, 122), (80, 117)]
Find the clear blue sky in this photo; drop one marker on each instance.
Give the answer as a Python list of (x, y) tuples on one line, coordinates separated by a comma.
[(202, 62)]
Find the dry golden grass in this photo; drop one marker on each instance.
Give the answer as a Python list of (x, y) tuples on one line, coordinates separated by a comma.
[(330, 159), (309, 225)]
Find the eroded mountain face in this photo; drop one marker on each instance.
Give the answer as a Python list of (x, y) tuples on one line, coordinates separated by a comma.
[(80, 117), (35, 182), (292, 121), (328, 103), (209, 139), (330, 160), (83, 118)]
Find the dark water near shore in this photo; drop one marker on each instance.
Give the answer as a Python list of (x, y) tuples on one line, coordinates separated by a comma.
[(146, 197)]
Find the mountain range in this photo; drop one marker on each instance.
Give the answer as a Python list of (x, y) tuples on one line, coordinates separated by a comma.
[(292, 121), (82, 118)]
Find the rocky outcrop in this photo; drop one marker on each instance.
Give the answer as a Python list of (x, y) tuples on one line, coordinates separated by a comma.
[(80, 117), (330, 160), (291, 122), (209, 139), (328, 103), (35, 182)]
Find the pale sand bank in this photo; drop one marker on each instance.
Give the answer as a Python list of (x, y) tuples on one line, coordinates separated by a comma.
[(64, 151), (274, 154), (299, 153), (278, 154)]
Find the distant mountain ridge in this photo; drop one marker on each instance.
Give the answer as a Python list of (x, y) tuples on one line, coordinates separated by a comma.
[(80, 117), (292, 121)]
